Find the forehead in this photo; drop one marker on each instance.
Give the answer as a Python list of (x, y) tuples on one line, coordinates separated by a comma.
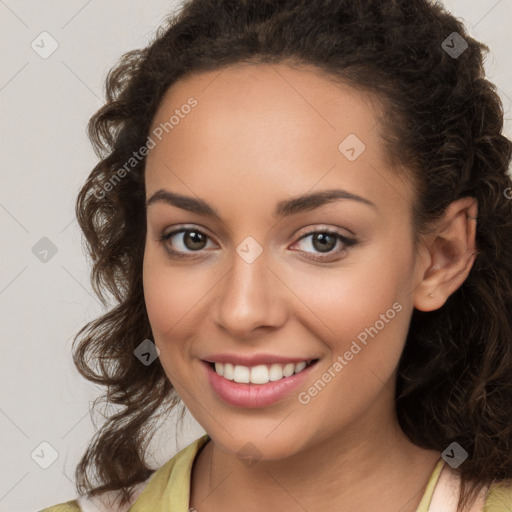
[(275, 90), (267, 127)]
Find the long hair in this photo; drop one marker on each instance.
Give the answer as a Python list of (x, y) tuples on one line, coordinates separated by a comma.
[(443, 126)]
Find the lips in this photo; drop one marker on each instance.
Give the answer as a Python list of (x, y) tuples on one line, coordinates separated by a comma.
[(253, 395)]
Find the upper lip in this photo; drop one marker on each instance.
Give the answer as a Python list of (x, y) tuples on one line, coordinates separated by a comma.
[(255, 359)]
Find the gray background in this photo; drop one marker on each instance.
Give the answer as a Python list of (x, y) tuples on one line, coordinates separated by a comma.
[(45, 158)]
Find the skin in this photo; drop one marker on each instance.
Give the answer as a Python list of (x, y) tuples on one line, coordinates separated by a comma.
[(260, 134)]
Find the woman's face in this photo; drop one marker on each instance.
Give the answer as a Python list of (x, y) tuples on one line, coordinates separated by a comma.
[(260, 285)]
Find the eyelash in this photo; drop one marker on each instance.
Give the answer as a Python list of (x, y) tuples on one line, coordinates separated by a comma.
[(347, 242)]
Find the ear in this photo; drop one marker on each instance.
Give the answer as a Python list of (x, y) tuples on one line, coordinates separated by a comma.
[(450, 253)]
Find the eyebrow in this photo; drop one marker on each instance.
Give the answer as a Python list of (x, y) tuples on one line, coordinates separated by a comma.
[(284, 208)]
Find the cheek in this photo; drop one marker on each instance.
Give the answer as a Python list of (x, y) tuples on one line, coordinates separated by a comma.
[(364, 323), (366, 302), (171, 296), (348, 299)]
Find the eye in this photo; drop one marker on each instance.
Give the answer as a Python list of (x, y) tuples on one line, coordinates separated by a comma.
[(186, 241), (325, 241), (182, 243)]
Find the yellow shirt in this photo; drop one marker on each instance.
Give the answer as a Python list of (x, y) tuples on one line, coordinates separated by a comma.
[(168, 488)]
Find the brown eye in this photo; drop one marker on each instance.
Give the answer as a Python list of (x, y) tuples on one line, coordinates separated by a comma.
[(183, 242), (194, 240), (323, 244)]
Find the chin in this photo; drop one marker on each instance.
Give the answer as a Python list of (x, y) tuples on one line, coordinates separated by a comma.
[(257, 445)]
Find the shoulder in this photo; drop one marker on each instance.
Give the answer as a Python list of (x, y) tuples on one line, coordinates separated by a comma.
[(169, 487), (69, 506), (105, 502), (175, 471), (499, 497)]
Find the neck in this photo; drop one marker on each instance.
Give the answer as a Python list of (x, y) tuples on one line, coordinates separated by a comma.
[(364, 468)]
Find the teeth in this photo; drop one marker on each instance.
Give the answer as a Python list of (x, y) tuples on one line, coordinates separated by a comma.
[(300, 366), (228, 371), (288, 370), (260, 374), (276, 372), (242, 374)]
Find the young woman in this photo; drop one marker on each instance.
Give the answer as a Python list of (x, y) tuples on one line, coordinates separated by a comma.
[(303, 211)]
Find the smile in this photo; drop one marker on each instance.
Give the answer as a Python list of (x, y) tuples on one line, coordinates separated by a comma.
[(260, 374), (252, 386)]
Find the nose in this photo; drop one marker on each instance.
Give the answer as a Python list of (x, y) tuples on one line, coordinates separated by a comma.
[(251, 298)]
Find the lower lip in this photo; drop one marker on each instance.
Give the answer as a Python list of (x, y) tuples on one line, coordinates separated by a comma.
[(254, 395)]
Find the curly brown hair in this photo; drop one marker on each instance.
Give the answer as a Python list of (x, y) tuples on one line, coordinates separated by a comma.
[(444, 124)]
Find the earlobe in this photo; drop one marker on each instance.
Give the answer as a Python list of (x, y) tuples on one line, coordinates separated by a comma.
[(452, 251)]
